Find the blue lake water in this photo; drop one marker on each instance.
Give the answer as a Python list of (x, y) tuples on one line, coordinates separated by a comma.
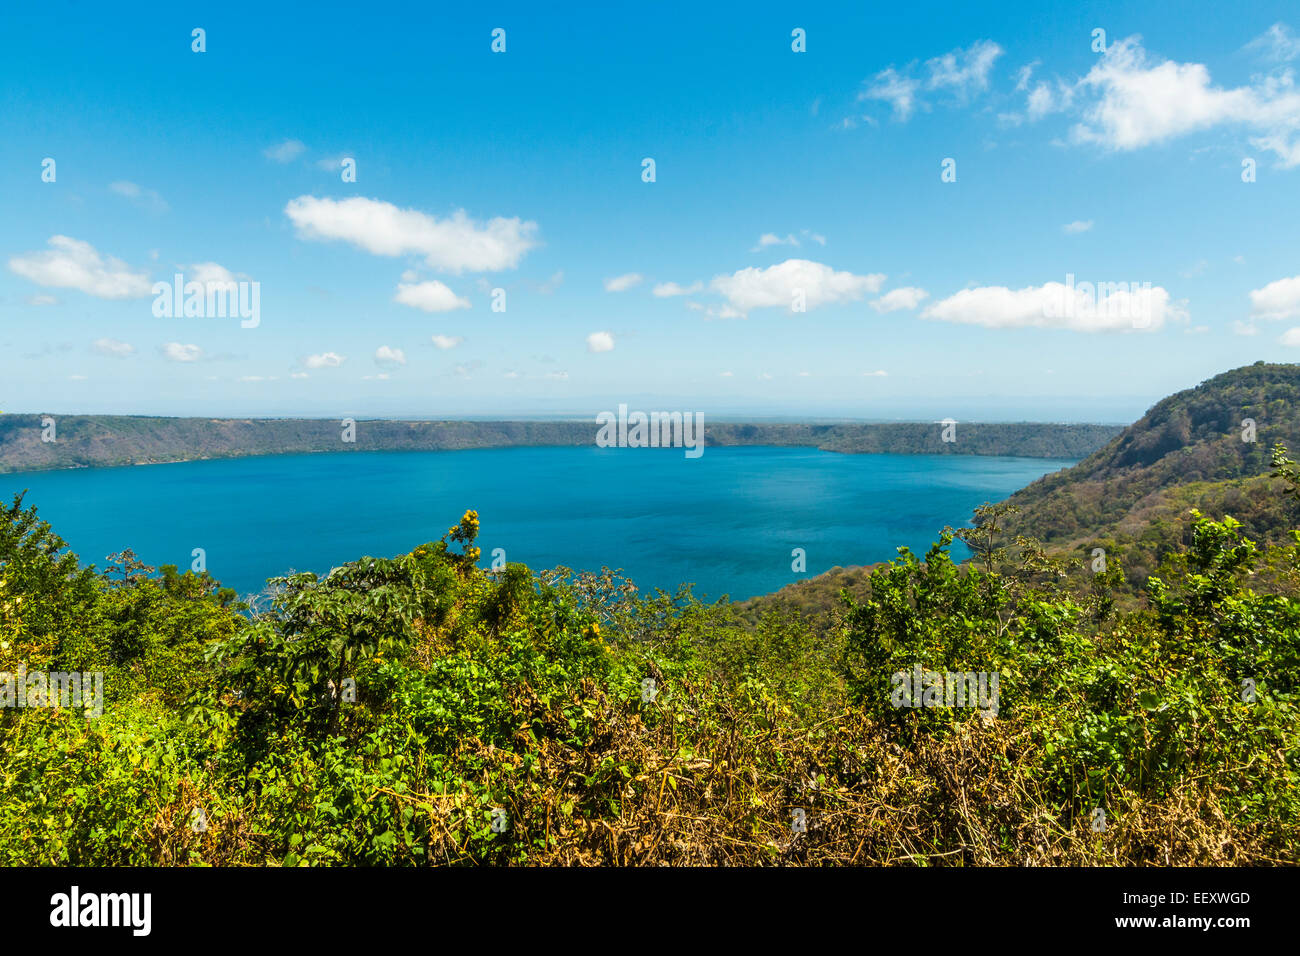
[(726, 522)]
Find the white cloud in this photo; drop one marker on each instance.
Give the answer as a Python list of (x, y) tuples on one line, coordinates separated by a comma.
[(1277, 43), (879, 373), (324, 360), (776, 285), (665, 289), (768, 239), (1052, 306), (907, 297), (176, 352), (389, 357), (42, 300), (623, 283), (1277, 300), (894, 88), (445, 342), (1140, 101), (1290, 336), (1043, 99), (600, 342), (212, 276), (146, 198), (455, 244), (431, 296), (298, 375), (559, 376), (285, 152), (716, 311), (964, 71), (1076, 227), (74, 264), (112, 348), (961, 73)]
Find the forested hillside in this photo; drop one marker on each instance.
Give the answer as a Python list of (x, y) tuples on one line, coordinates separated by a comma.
[(1206, 448), (90, 440)]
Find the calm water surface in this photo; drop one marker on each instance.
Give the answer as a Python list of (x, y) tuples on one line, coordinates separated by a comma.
[(727, 521)]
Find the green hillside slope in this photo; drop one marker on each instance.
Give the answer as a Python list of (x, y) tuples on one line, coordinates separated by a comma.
[(1195, 449)]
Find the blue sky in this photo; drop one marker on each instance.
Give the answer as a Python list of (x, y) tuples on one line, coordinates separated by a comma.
[(523, 171)]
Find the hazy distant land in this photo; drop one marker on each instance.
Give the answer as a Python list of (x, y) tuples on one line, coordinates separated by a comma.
[(83, 441)]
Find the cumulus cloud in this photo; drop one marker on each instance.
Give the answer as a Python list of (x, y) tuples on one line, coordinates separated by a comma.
[(389, 357), (213, 276), (1076, 227), (454, 244), (176, 352), (431, 296), (908, 297), (1085, 308), (74, 264), (1277, 300), (665, 289), (958, 73), (112, 348), (624, 282), (777, 285), (600, 342), (1137, 100), (446, 342), (324, 360), (285, 152)]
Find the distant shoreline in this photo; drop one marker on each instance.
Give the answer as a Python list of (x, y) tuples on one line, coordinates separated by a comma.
[(110, 440)]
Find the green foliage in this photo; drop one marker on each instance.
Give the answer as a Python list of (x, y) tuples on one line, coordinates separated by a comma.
[(417, 710)]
